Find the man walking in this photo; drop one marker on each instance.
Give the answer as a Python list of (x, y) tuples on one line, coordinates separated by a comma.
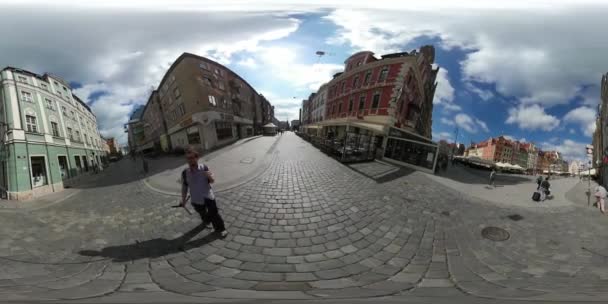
[(198, 179), (492, 178)]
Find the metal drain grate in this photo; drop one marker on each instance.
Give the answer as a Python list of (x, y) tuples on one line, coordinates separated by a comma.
[(516, 217), (495, 234)]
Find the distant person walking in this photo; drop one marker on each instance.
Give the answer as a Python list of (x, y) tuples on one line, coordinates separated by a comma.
[(539, 180), (545, 187), (198, 179), (493, 178), (600, 195)]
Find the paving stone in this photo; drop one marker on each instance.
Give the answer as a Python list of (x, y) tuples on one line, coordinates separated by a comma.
[(333, 284), (245, 240), (232, 283), (282, 286), (278, 251), (331, 274), (225, 272), (300, 277), (436, 283), (259, 276)]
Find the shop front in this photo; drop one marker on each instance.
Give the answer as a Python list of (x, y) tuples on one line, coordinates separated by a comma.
[(411, 150)]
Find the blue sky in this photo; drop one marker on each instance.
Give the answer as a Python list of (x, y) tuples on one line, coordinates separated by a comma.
[(526, 69)]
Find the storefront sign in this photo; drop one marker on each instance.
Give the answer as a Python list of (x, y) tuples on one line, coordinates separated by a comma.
[(405, 135)]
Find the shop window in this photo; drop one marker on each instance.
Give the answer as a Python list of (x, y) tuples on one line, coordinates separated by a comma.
[(212, 100), (39, 177), (223, 130)]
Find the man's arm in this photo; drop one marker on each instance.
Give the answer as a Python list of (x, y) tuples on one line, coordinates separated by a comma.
[(184, 189), (209, 175)]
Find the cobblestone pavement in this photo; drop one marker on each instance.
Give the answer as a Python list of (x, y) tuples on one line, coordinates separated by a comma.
[(308, 228)]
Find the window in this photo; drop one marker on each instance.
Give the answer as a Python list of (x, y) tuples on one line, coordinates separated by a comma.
[(212, 100), (49, 104), (350, 105), (194, 137), (44, 86), (59, 93), (223, 130), (64, 111), (54, 128), (177, 93), (225, 103), (203, 65), (358, 63), (356, 82), (383, 74), (217, 71), (343, 86), (172, 78), (87, 139), (56, 83), (376, 100), (65, 89), (181, 109), (73, 115), (38, 171), (221, 85), (70, 135), (340, 107), (77, 135), (30, 122), (26, 96), (22, 79), (361, 102), (368, 76)]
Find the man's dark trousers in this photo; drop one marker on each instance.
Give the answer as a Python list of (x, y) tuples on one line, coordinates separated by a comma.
[(210, 213)]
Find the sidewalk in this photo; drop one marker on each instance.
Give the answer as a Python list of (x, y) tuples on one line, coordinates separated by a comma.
[(37, 202), (232, 166), (510, 191)]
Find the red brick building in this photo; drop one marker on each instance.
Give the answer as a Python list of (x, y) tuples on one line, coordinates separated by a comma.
[(375, 102)]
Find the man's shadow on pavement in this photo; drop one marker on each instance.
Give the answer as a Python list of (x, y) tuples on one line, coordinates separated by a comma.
[(153, 248)]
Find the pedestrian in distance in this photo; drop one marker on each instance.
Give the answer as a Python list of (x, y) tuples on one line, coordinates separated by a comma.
[(600, 195), (197, 179), (539, 180), (492, 178), (545, 187)]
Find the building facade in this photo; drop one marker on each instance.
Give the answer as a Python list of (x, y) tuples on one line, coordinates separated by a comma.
[(600, 136), (200, 103), (382, 106), (49, 135), (113, 147)]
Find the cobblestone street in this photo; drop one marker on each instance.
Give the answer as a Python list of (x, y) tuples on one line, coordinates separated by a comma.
[(306, 228)]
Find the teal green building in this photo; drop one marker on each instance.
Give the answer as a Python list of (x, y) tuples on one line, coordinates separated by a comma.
[(48, 136)]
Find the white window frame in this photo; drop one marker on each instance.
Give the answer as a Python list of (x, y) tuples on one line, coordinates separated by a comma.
[(49, 103), (31, 127), (21, 78), (53, 130), (44, 86), (27, 96), (212, 101)]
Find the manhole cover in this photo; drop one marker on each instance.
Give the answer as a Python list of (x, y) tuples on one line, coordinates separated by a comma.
[(515, 217), (495, 234)]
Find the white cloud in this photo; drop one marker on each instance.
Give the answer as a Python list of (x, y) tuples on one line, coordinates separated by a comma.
[(446, 121), (570, 150), (547, 71), (470, 124), (444, 92), (125, 52), (482, 125), (532, 118), (585, 117), (283, 63), (572, 131), (485, 95), (441, 135), (452, 107), (248, 62)]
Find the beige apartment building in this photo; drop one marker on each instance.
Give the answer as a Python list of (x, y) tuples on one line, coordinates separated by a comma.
[(202, 103)]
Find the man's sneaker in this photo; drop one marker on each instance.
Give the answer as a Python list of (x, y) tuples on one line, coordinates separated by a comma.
[(224, 233)]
